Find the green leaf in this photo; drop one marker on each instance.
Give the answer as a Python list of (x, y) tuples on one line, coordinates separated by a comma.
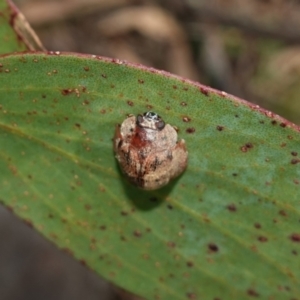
[(15, 32), (228, 228)]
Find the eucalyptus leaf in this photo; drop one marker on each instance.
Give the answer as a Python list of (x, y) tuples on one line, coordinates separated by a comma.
[(15, 32), (228, 228)]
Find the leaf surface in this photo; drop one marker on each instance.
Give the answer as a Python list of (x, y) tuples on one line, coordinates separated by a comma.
[(228, 228)]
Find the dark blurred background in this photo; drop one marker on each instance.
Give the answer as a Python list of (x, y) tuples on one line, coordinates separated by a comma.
[(250, 49)]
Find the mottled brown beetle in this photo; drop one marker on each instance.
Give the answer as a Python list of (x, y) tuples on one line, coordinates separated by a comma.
[(148, 151)]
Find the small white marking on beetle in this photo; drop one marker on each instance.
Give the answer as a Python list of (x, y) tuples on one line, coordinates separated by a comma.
[(148, 151)]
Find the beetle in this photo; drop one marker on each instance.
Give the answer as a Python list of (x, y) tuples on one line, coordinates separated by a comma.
[(148, 151)]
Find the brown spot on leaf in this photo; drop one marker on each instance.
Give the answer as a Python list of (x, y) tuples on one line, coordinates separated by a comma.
[(66, 92), (283, 213), (231, 207), (262, 239), (186, 119), (191, 296), (257, 225), (102, 189), (295, 237), (68, 251), (283, 125), (183, 104), (137, 233), (130, 103), (220, 128), (86, 68), (53, 235), (64, 220), (141, 81), (28, 223), (13, 169), (82, 262), (294, 153), (171, 244), (213, 247), (190, 264), (294, 161), (247, 147), (204, 91), (88, 207), (252, 293), (190, 130), (146, 256)]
